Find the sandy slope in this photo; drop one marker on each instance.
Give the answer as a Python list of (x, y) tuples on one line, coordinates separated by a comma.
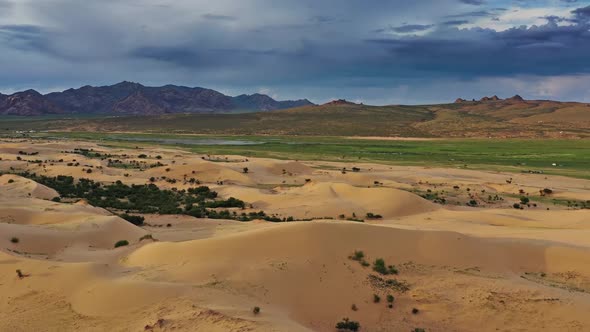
[(317, 200), (16, 186), (487, 269)]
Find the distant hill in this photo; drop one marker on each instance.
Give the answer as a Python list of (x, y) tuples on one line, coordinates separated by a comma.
[(512, 117), (128, 98)]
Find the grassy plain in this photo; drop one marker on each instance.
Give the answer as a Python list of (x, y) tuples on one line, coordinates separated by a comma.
[(572, 157)]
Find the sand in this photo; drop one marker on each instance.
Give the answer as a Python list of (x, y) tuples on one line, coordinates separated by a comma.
[(487, 268)]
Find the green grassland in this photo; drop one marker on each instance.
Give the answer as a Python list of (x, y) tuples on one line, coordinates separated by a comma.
[(513, 155)]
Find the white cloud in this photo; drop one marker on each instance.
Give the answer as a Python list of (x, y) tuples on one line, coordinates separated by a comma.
[(518, 16)]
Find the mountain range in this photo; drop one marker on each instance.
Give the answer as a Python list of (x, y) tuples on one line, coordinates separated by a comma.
[(128, 98)]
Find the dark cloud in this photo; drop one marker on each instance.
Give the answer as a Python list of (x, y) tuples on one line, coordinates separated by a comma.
[(455, 22), (473, 2), (408, 28), (485, 52), (219, 17), (23, 28), (242, 46), (31, 38), (582, 15)]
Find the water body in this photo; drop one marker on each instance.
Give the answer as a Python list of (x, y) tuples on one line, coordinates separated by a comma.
[(190, 141)]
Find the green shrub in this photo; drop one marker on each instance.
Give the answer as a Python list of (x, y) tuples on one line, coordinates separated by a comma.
[(376, 298), (348, 325), (380, 267), (121, 243), (358, 255)]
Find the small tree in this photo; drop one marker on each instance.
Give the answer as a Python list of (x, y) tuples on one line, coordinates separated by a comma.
[(121, 243)]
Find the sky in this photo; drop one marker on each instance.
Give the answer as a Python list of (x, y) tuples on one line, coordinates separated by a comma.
[(371, 51)]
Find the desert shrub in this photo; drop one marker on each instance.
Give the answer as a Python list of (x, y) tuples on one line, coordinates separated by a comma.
[(142, 156), (357, 255), (418, 329), (15, 240), (376, 298), (11, 181), (56, 199), (256, 310), (353, 307), (516, 206), (348, 325), (390, 298), (245, 169), (380, 267), (121, 243), (371, 215), (135, 220), (524, 200), (415, 311), (88, 171)]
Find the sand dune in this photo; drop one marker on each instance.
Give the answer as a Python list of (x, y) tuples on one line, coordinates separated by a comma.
[(488, 268), (16, 186), (313, 257), (317, 200)]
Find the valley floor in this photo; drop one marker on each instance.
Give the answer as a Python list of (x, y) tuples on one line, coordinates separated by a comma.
[(470, 249)]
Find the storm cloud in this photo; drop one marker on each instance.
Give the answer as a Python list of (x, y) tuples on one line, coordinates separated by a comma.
[(376, 52)]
